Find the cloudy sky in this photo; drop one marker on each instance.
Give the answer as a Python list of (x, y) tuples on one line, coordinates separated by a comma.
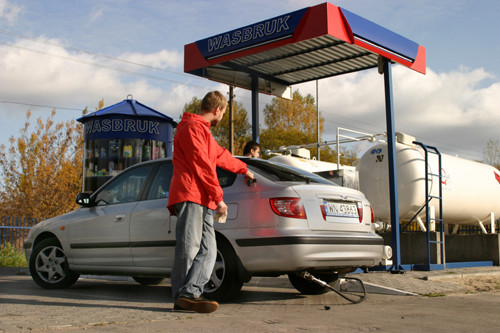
[(69, 55)]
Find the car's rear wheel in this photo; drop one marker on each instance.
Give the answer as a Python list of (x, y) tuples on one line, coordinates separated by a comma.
[(148, 281), (49, 266), (224, 283), (312, 288)]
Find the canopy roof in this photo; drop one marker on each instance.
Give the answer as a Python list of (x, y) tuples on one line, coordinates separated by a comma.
[(127, 107), (308, 44)]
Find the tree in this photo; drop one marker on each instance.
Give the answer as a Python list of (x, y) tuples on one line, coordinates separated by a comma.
[(220, 132), (290, 122), (491, 153), (42, 170), (294, 122)]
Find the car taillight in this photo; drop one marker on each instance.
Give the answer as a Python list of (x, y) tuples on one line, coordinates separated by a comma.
[(288, 207), (360, 211), (373, 214)]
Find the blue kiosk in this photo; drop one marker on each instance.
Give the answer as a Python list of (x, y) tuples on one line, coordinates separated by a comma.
[(122, 135)]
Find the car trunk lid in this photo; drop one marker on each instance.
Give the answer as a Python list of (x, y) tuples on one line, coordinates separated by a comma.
[(332, 208)]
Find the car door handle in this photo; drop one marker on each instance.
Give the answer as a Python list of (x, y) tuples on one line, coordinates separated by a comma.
[(120, 218)]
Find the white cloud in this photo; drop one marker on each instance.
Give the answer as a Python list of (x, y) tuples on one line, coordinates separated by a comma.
[(163, 59), (46, 74), (9, 11), (455, 111)]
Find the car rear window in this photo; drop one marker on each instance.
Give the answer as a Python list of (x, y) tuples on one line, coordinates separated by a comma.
[(280, 172)]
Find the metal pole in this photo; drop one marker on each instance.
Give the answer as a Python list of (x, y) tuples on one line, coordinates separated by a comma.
[(317, 119), (393, 176), (231, 120), (338, 148), (255, 108)]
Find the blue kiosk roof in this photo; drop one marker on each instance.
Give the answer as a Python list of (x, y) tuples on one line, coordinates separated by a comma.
[(128, 107)]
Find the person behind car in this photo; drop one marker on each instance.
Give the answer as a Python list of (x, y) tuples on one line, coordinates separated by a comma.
[(194, 195), (251, 149)]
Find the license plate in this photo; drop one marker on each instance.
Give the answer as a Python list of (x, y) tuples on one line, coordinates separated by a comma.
[(343, 209)]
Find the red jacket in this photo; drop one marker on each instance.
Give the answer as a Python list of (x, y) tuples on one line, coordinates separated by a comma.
[(196, 155)]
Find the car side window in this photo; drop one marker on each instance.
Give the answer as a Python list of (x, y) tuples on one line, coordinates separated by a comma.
[(125, 188), (161, 183), (226, 178)]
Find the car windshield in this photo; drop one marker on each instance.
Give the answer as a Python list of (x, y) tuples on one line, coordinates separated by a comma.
[(281, 172)]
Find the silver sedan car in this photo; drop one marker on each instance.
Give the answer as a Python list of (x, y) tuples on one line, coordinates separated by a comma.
[(287, 222)]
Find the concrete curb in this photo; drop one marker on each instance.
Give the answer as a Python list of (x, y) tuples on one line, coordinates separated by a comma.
[(459, 276), (14, 271), (376, 289)]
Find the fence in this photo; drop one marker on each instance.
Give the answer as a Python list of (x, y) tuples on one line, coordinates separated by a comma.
[(13, 230), (463, 229)]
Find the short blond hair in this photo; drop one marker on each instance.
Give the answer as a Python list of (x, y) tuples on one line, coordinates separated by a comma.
[(212, 101)]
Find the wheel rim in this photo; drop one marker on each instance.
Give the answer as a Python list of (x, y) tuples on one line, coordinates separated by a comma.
[(50, 264), (218, 274)]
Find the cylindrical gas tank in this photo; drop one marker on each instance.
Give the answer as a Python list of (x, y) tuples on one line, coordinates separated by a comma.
[(471, 190)]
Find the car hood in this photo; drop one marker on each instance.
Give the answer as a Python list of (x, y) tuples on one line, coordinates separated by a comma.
[(52, 222)]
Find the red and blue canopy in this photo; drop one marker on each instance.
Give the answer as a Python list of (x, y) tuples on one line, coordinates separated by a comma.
[(304, 45)]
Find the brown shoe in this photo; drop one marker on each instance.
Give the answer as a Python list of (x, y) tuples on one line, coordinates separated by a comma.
[(199, 304)]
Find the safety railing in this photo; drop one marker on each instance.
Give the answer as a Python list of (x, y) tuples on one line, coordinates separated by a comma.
[(14, 229)]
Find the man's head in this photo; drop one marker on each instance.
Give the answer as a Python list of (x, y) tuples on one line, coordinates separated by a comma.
[(252, 149), (213, 107)]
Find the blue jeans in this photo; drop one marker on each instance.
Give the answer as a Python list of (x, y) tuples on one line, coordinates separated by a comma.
[(195, 249)]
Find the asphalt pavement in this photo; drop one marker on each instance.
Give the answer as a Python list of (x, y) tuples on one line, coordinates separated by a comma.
[(446, 281), (395, 302)]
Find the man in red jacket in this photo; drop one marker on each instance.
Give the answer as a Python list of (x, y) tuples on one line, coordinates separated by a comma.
[(194, 195)]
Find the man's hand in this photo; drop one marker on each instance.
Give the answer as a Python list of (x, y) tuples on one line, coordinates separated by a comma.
[(249, 175), (250, 178), (222, 208)]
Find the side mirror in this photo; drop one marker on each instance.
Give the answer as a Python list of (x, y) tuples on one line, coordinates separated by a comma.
[(83, 199)]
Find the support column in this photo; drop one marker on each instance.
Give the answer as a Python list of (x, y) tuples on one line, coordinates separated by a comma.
[(231, 120), (255, 108), (393, 177), (492, 221)]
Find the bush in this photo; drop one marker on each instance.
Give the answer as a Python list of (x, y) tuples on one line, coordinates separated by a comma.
[(12, 257)]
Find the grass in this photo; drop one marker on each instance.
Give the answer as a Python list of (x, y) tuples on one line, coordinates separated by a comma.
[(12, 257), (434, 295)]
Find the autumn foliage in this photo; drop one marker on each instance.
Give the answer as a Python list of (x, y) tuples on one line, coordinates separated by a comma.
[(41, 171), (287, 122), (295, 122), (241, 126)]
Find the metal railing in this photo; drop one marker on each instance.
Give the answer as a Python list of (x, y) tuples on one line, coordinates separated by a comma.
[(14, 229), (463, 229)]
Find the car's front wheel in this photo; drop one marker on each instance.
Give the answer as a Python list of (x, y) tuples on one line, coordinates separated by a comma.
[(224, 283), (49, 266)]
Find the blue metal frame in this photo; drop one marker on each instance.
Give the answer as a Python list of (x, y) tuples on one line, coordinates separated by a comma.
[(413, 267), (428, 198), (255, 108), (393, 175)]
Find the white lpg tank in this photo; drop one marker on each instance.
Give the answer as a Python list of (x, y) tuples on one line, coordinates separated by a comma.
[(471, 190)]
